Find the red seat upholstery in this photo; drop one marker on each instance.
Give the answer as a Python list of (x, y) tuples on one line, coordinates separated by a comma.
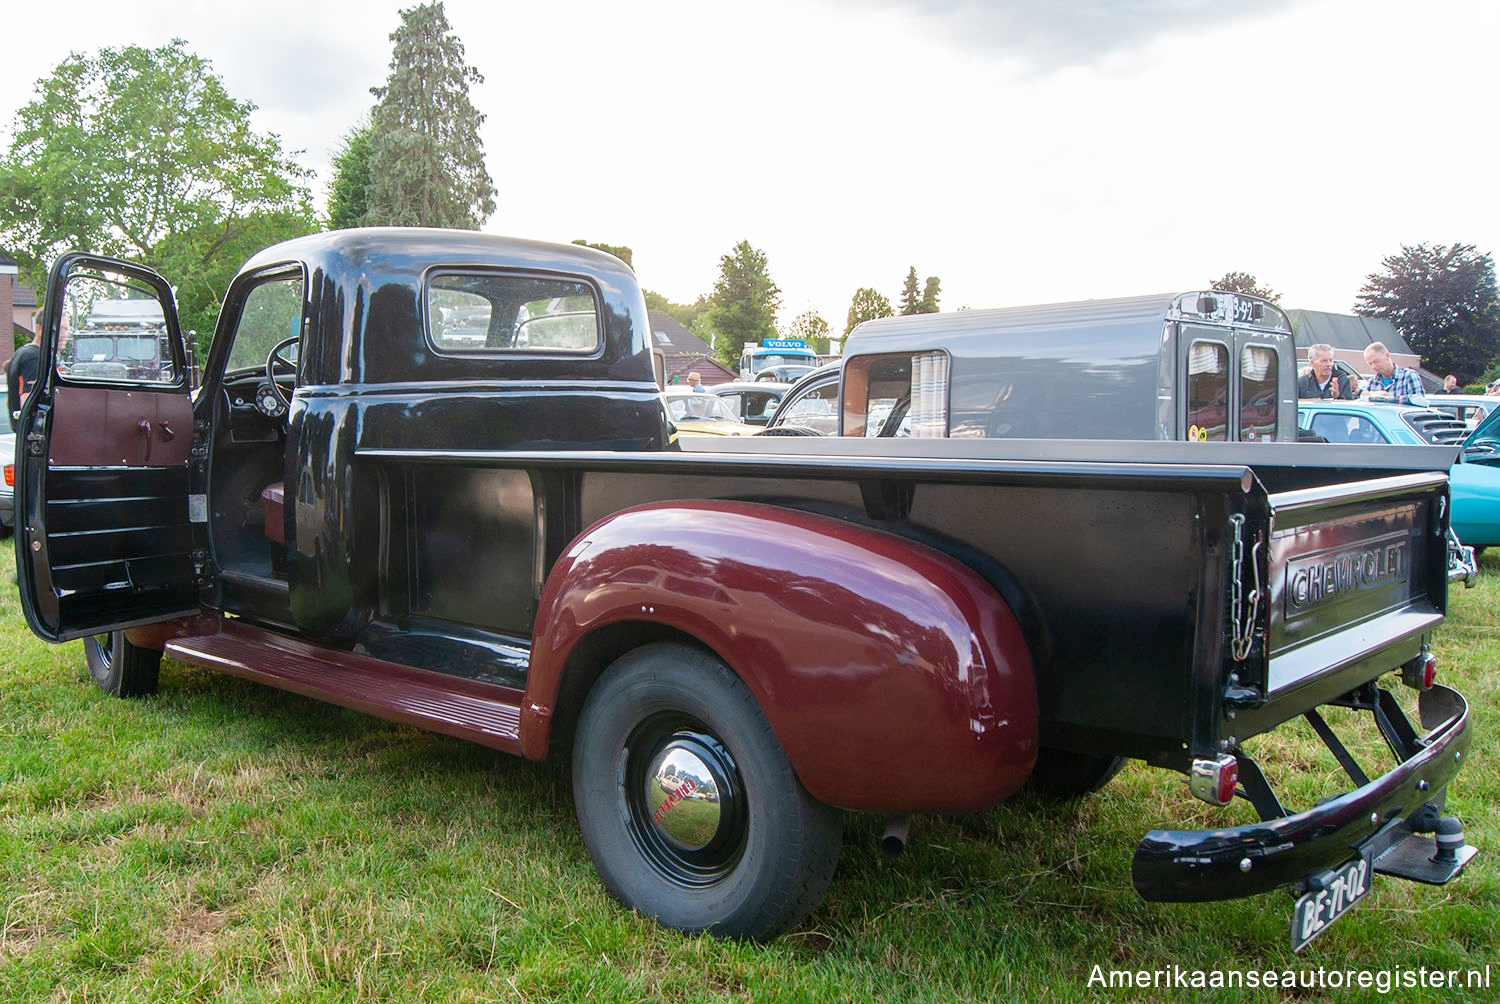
[(273, 504)]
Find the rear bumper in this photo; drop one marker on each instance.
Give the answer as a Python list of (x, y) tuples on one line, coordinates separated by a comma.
[(1197, 865)]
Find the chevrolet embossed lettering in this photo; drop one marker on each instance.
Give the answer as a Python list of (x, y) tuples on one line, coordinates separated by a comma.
[(1317, 579)]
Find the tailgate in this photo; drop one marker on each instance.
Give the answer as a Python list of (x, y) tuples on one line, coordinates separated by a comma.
[(1356, 579)]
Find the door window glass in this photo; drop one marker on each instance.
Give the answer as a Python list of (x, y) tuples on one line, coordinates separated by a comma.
[(1258, 393), (114, 330), (1347, 429), (272, 313), (1208, 392)]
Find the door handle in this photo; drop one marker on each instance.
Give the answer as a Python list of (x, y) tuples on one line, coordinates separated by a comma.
[(144, 428)]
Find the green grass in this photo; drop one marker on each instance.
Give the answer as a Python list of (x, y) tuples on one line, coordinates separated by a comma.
[(225, 841)]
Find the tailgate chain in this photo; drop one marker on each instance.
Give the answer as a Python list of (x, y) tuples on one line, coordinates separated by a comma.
[(1242, 637)]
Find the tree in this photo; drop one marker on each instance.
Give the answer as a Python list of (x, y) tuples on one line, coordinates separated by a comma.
[(349, 191), (743, 305), (685, 314), (929, 303), (867, 305), (1443, 299), (426, 159), (811, 328), (1244, 282), (911, 300), (141, 153)]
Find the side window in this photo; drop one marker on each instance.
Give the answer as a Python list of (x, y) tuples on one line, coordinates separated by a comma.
[(498, 312), (272, 313), (816, 408), (1347, 429), (114, 330), (1258, 393), (1208, 392)]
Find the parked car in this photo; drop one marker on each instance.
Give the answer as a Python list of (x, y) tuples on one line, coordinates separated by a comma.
[(7, 485), (1474, 485), (1471, 408), (702, 413), (811, 404), (752, 402), (783, 374)]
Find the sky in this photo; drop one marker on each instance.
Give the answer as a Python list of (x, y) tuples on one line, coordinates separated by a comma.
[(1022, 152)]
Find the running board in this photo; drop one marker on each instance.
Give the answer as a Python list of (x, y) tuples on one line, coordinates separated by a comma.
[(485, 714)]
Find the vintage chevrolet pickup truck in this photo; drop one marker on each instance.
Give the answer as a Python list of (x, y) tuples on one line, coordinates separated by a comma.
[(429, 476)]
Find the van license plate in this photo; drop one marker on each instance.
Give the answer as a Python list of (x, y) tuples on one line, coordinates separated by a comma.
[(1329, 896)]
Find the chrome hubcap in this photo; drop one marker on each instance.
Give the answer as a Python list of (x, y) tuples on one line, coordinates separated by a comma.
[(683, 794)]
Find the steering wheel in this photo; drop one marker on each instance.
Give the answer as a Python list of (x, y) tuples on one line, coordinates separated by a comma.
[(278, 361)]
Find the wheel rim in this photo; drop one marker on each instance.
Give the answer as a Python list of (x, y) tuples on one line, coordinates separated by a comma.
[(104, 644), (684, 800)]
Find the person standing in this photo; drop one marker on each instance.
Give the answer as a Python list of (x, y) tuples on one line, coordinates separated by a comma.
[(695, 381), (24, 368), (1320, 380), (1391, 381)]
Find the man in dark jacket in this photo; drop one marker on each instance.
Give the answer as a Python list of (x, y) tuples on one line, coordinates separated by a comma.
[(1320, 380)]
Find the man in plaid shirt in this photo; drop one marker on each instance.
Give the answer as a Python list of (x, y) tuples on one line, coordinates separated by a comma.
[(1390, 380)]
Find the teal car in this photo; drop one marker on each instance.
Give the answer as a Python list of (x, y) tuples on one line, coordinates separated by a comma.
[(1474, 482)]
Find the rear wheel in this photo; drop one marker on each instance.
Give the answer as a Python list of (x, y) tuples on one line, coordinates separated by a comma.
[(688, 804), (120, 668), (1064, 774)]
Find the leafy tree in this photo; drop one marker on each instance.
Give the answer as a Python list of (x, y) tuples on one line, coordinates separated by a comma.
[(426, 159), (742, 307), (348, 193), (1444, 301), (620, 251), (866, 305), (141, 153), (1244, 282), (685, 314), (812, 329), (929, 304), (911, 300)]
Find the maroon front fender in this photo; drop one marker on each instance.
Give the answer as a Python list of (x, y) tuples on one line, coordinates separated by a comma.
[(894, 676)]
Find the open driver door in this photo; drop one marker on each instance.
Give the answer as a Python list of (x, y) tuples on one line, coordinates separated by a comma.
[(104, 534)]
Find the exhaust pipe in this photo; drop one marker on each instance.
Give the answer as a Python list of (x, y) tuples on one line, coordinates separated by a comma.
[(897, 825)]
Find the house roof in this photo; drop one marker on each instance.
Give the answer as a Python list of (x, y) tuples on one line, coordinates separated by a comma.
[(673, 339), (7, 262)]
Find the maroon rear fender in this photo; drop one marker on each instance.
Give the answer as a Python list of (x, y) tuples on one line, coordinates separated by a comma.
[(894, 676)]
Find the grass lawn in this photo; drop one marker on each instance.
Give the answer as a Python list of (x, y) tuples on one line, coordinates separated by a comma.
[(225, 841)]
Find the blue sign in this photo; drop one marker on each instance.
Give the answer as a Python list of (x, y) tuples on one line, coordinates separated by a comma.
[(783, 343)]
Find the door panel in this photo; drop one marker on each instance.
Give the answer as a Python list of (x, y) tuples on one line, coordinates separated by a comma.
[(104, 535)]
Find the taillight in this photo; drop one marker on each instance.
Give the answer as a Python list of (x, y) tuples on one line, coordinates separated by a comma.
[(1214, 780), (1420, 673), (10, 475)]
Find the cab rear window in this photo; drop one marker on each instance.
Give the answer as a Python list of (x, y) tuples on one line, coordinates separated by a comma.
[(484, 312)]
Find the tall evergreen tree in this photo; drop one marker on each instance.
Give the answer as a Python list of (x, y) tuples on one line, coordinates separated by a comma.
[(744, 302), (349, 192), (911, 300), (426, 159), (929, 303)]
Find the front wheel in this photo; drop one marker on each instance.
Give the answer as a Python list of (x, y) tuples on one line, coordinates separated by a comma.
[(120, 668), (688, 804)]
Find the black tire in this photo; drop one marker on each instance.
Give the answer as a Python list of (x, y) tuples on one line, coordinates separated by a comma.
[(120, 668), (749, 861), (1062, 774)]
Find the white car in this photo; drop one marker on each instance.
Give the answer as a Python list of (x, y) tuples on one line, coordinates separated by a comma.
[(7, 484)]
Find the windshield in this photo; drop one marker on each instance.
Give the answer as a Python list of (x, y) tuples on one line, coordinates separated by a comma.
[(699, 408)]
